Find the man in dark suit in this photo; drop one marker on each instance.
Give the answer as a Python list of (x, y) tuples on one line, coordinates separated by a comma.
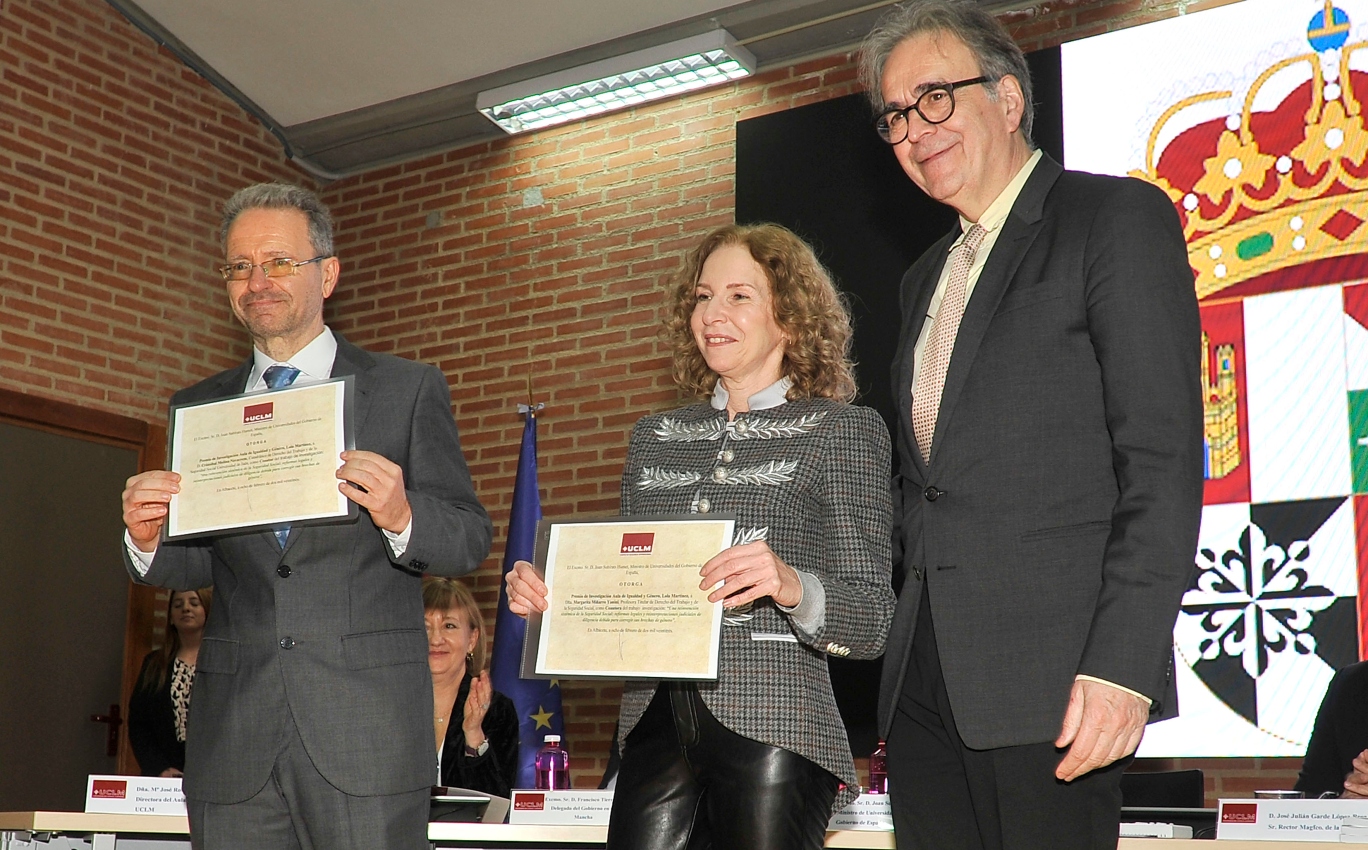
[(310, 722), (1050, 457)]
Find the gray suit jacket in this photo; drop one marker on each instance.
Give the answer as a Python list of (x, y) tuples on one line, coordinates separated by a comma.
[(809, 477), (1057, 523), (354, 678)]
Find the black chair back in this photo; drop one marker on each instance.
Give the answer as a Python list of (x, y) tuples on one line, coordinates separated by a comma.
[(1170, 789)]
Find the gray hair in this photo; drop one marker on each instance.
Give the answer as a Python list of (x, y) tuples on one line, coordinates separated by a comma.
[(997, 55), (282, 196)]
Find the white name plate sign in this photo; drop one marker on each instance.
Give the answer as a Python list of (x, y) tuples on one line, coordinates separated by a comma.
[(868, 813), (135, 795), (1286, 820), (561, 808)]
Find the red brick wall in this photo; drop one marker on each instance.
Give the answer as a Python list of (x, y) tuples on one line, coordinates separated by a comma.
[(542, 255), (1053, 22), (113, 158)]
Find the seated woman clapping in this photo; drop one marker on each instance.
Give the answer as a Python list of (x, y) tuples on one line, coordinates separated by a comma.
[(476, 727)]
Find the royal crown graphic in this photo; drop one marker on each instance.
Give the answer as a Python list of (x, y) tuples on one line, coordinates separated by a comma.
[(1265, 199), (1273, 199)]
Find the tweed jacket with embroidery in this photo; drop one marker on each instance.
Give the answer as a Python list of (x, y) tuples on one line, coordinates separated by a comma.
[(811, 478)]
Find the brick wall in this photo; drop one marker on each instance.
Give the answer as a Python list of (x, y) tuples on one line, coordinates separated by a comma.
[(113, 156), (541, 256), (1054, 22)]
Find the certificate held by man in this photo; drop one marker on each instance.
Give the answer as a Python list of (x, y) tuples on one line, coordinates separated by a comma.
[(624, 600), (260, 460)]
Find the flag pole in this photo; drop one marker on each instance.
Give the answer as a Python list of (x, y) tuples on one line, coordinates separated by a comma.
[(538, 701)]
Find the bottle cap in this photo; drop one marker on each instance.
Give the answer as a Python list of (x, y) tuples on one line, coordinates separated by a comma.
[(552, 739)]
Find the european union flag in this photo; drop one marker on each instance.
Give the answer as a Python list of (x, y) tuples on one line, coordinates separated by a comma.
[(538, 700)]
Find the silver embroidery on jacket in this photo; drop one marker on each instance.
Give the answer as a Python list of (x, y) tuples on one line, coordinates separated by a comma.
[(774, 472), (770, 429), (742, 536), (655, 478), (673, 431)]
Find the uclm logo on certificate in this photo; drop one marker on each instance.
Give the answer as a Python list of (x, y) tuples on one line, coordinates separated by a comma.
[(638, 543), (258, 412), (109, 789)]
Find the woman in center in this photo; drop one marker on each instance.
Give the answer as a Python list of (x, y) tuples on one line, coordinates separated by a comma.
[(756, 759)]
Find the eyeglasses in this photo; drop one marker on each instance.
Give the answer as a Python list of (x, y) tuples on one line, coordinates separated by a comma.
[(935, 106), (277, 267)]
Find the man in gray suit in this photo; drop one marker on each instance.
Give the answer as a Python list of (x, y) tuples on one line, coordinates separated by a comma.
[(1050, 457), (311, 722)]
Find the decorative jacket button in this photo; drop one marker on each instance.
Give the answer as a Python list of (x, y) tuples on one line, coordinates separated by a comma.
[(283, 571), (916, 572), (727, 456), (741, 426), (933, 493), (287, 643), (703, 506), (720, 474)]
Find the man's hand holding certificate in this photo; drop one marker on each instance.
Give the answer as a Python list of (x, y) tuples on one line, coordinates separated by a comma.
[(623, 599)]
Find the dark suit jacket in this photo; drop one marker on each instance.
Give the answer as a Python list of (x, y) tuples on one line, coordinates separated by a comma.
[(1057, 523), (354, 678), (1340, 734)]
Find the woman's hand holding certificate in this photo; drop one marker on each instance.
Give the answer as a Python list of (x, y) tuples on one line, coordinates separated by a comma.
[(749, 572)]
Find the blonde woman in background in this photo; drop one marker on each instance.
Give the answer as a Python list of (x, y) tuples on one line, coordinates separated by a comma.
[(476, 727)]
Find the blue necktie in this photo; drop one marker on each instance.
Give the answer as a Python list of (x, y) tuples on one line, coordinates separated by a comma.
[(278, 376)]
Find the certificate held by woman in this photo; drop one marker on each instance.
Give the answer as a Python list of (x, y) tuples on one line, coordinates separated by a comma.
[(624, 600)]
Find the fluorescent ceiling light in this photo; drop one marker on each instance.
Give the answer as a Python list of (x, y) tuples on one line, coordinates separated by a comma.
[(616, 83)]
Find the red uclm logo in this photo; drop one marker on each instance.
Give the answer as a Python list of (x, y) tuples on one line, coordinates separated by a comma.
[(1239, 813), (109, 789), (638, 544), (257, 412), (530, 802)]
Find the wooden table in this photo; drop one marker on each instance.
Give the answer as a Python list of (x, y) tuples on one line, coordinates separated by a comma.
[(105, 830), (510, 835)]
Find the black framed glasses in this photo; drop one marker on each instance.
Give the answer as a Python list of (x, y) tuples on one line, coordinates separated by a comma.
[(277, 267), (935, 106)]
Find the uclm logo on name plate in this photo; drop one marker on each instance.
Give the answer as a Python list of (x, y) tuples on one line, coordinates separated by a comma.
[(638, 543), (258, 412), (1240, 813), (530, 802), (109, 789)]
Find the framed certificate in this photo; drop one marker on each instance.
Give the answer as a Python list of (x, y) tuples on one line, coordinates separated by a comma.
[(624, 600), (260, 460)]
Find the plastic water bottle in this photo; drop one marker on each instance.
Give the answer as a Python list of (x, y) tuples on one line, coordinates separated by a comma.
[(553, 766), (878, 770)]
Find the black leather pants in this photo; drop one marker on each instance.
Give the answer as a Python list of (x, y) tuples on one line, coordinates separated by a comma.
[(689, 783)]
